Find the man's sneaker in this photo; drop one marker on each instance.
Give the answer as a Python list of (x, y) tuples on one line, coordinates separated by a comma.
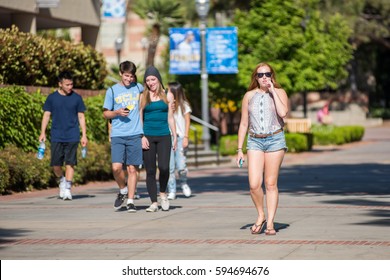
[(186, 190), (67, 195), (171, 196), (137, 196), (131, 208), (120, 199), (152, 208), (164, 203), (62, 188)]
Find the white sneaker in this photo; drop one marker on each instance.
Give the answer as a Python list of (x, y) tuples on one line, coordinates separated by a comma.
[(164, 203), (186, 190), (67, 195), (152, 208), (62, 188), (171, 196)]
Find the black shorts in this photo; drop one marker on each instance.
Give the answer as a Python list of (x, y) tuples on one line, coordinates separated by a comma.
[(63, 152)]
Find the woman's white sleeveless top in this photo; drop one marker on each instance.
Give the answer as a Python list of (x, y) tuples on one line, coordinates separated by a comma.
[(263, 118)]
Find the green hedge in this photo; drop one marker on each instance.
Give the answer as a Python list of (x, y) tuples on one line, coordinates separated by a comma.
[(296, 142), (97, 130), (20, 118), (21, 171), (24, 171), (299, 142), (28, 59), (336, 135)]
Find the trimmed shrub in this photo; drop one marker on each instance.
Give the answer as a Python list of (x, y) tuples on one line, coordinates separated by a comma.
[(299, 142), (97, 130), (21, 171), (28, 59), (4, 176), (26, 172), (199, 132), (96, 166), (20, 118), (336, 135), (228, 145)]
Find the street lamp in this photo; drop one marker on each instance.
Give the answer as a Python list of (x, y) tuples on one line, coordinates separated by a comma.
[(202, 8), (118, 48)]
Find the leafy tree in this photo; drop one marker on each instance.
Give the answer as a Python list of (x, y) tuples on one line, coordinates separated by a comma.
[(162, 14), (370, 21), (307, 52)]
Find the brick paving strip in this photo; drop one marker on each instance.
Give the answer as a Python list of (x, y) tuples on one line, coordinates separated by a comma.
[(49, 241), (59, 241)]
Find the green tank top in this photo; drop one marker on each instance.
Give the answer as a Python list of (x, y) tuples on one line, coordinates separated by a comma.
[(156, 119)]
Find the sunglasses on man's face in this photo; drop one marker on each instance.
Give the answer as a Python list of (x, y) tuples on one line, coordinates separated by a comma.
[(267, 74)]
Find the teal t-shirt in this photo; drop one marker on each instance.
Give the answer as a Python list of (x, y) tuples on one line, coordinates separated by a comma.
[(156, 119)]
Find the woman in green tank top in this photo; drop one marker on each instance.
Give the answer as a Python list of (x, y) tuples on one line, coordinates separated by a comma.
[(158, 123)]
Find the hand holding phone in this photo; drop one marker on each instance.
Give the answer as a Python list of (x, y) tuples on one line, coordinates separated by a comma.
[(240, 162)]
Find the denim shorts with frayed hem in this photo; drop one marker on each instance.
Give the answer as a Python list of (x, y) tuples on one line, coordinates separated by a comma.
[(271, 143)]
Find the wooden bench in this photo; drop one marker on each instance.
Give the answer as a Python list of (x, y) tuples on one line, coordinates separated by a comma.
[(298, 125)]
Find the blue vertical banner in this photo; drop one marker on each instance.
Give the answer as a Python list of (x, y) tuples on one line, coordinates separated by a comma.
[(184, 51), (222, 50), (114, 10)]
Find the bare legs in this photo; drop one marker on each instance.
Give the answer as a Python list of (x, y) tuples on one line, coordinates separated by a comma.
[(264, 164), (69, 172), (132, 177), (119, 174)]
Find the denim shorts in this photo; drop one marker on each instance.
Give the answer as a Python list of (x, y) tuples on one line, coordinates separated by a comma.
[(271, 143), (127, 150)]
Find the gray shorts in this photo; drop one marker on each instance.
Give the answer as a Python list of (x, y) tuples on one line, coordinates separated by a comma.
[(271, 143), (127, 150)]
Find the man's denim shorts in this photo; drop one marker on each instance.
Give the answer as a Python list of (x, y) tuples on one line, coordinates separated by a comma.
[(271, 143), (127, 150)]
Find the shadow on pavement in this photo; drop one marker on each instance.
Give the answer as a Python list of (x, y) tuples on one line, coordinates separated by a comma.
[(6, 234)]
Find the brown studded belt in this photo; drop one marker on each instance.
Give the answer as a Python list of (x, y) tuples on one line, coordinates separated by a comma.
[(265, 135)]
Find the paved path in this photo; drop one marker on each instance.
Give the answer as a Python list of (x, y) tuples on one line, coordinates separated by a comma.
[(334, 205)]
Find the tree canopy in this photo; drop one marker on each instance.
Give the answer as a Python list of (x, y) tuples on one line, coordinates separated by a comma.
[(307, 52)]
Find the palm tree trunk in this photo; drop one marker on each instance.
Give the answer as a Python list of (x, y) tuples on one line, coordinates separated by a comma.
[(153, 43)]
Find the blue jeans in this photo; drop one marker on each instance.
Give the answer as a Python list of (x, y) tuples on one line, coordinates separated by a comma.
[(178, 162)]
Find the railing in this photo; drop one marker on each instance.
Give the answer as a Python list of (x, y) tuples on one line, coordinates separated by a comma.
[(216, 129)]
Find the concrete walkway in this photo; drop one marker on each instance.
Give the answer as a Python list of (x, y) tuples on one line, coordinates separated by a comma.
[(334, 205)]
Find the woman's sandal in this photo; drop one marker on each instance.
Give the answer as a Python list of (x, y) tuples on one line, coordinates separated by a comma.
[(258, 228), (270, 231)]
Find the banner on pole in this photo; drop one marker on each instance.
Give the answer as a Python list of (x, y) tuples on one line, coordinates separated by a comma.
[(184, 51), (114, 10), (222, 50)]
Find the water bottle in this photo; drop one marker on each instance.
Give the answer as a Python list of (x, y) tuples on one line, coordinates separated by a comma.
[(84, 152), (41, 150)]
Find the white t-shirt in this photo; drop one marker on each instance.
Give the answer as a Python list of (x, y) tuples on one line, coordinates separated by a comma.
[(180, 120)]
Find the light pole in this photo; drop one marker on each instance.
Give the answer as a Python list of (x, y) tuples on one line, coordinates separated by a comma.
[(118, 48), (202, 8)]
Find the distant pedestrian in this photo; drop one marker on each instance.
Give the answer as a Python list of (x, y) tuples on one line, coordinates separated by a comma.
[(121, 106), (323, 115), (264, 106), (178, 159), (158, 121), (66, 108)]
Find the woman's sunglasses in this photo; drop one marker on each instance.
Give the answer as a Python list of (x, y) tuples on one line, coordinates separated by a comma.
[(267, 74)]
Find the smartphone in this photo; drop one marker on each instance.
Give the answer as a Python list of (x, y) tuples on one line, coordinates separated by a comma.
[(127, 109), (241, 162)]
